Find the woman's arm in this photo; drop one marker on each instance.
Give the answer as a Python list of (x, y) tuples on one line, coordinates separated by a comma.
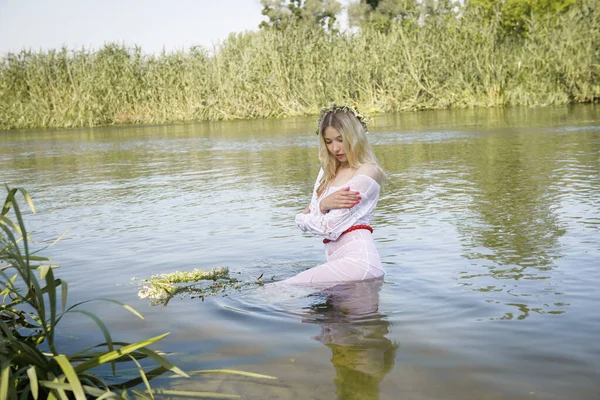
[(343, 198), (332, 223)]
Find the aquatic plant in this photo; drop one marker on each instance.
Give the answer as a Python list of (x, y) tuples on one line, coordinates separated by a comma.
[(162, 288), (34, 301)]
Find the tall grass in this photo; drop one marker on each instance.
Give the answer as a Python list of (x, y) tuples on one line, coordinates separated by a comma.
[(441, 62)]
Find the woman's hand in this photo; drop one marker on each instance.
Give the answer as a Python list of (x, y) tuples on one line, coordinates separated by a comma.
[(306, 210), (343, 198)]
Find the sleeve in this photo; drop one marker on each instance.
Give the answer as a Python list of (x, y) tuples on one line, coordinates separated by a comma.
[(314, 201), (332, 224)]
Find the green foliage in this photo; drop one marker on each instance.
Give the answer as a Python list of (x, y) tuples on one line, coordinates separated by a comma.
[(438, 62), (318, 13), (34, 302), (514, 15), (381, 15)]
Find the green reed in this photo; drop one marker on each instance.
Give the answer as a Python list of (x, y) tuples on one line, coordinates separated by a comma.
[(441, 62)]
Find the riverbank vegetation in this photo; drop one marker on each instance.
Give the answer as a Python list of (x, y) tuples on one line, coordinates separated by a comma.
[(435, 58)]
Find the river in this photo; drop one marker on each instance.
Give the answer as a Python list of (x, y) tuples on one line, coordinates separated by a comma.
[(488, 227)]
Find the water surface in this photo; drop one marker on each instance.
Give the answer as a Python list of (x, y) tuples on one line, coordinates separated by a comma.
[(489, 228)]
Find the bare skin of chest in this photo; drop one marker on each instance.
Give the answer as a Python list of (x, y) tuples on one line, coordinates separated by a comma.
[(343, 175)]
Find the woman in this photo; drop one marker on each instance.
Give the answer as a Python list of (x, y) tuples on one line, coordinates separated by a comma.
[(343, 201)]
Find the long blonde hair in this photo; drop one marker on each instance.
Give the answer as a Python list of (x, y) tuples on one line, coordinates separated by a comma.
[(356, 146)]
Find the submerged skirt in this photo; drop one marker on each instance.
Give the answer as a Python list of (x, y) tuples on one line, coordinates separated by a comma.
[(353, 257)]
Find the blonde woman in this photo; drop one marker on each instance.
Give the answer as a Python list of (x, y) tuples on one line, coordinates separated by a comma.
[(344, 198)]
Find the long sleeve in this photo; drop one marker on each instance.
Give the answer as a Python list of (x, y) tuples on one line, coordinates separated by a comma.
[(332, 224)]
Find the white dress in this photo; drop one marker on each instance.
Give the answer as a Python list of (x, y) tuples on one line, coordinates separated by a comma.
[(352, 256)]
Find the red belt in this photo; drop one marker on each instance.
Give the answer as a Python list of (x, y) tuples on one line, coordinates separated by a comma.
[(352, 228)]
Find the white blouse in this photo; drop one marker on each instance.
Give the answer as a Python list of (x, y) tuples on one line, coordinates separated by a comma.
[(331, 224)]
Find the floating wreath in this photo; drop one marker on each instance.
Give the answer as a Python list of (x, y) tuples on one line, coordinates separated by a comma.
[(160, 289)]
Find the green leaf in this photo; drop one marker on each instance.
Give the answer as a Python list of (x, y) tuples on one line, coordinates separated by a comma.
[(45, 247), (51, 289), (112, 355), (13, 250), (22, 227), (136, 381), (27, 199), (182, 393), (58, 239), (7, 221), (71, 376), (58, 389), (84, 355), (109, 395), (99, 393), (125, 306), (9, 284), (38, 267), (67, 386), (163, 362), (231, 372), (33, 381), (29, 353), (43, 270), (143, 376), (105, 332), (52, 395), (5, 381), (38, 258), (64, 289)]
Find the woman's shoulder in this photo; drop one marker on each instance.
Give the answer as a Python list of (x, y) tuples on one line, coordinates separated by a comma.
[(370, 170)]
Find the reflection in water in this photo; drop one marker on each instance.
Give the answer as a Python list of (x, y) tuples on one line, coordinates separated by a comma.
[(516, 206), (355, 331), (510, 198)]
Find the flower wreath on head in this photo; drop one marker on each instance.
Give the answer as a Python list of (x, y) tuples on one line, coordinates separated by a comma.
[(362, 118)]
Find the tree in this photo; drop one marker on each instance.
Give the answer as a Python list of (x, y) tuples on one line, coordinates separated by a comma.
[(381, 14), (322, 13), (513, 14)]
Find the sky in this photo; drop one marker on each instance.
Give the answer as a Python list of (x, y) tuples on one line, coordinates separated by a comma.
[(151, 24)]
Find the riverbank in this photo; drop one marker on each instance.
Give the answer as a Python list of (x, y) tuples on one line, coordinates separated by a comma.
[(442, 62)]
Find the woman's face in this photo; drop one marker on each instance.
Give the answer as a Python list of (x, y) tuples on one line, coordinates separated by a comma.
[(335, 143)]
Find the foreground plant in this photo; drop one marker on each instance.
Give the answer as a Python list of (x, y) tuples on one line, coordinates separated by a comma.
[(34, 301)]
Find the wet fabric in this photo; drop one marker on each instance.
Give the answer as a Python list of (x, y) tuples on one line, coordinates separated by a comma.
[(352, 256)]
